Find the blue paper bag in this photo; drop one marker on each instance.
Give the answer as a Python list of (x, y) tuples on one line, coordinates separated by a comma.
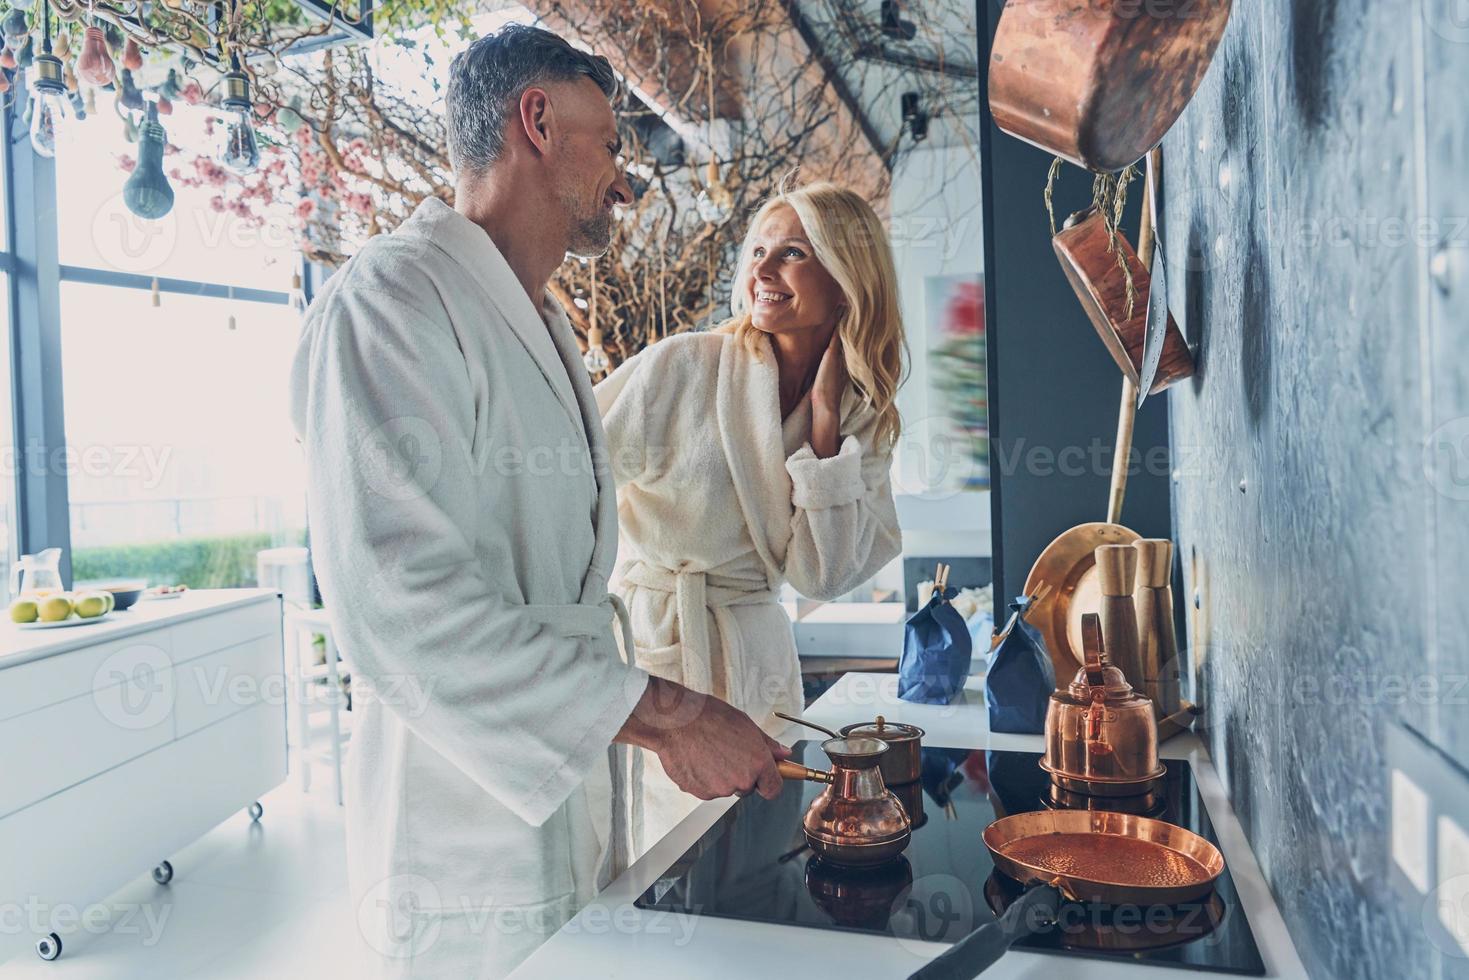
[(936, 652), (1020, 679)]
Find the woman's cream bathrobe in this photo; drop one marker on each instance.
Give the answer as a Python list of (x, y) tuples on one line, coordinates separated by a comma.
[(719, 502)]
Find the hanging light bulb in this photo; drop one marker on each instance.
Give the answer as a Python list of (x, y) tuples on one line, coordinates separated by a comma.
[(595, 358), (94, 64), (15, 28), (147, 193), (132, 55), (237, 151), (129, 96), (51, 107)]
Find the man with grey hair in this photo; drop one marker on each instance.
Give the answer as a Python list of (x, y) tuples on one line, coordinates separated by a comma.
[(463, 514)]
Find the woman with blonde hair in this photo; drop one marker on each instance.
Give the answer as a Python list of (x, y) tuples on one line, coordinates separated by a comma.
[(757, 454)]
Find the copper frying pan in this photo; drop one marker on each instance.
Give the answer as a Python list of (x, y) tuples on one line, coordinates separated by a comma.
[(1083, 856)]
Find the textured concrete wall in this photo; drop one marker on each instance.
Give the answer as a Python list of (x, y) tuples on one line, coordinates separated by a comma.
[(1315, 221)]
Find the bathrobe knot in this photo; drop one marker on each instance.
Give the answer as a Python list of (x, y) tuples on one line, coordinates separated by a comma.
[(693, 593)]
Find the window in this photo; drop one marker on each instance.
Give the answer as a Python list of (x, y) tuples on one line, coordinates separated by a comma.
[(181, 459), (194, 241), (9, 460)]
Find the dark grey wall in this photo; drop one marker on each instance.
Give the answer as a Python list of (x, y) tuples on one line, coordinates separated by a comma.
[(1054, 389), (1316, 199)]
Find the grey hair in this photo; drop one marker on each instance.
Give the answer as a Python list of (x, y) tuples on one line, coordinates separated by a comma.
[(487, 79)]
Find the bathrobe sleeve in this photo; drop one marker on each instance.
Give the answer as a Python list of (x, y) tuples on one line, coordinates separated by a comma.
[(620, 399), (523, 710), (845, 525)]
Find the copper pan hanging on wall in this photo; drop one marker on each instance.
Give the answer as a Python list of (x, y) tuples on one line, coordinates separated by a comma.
[(1099, 82), (1082, 247)]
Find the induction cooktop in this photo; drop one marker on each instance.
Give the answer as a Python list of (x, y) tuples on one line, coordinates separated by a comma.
[(754, 865)]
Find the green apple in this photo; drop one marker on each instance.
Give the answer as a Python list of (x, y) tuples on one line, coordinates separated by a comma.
[(91, 604), (55, 608), (24, 611), (111, 601)]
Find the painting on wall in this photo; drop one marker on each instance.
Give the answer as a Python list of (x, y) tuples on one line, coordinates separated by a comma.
[(958, 372)]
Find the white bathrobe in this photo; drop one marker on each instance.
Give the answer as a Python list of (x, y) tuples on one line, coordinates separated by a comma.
[(719, 503), (463, 528)]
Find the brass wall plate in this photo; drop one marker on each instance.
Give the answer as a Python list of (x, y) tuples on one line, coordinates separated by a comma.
[(1068, 564)]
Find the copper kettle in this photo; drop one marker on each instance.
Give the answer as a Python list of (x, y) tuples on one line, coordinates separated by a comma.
[(1101, 735), (856, 821)]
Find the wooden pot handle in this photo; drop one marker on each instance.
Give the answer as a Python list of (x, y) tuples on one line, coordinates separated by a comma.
[(794, 770)]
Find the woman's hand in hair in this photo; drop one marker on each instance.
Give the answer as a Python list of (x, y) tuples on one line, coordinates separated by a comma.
[(826, 399)]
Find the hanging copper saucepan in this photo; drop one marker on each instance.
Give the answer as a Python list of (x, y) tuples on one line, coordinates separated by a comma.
[(1083, 247), (1099, 84), (1113, 859), (855, 821)]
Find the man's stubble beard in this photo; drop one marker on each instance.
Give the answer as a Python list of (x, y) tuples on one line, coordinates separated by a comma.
[(591, 230)]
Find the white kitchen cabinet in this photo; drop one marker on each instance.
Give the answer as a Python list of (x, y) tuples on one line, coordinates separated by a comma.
[(125, 740)]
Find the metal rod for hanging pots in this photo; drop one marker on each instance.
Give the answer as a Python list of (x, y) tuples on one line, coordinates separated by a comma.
[(1127, 409)]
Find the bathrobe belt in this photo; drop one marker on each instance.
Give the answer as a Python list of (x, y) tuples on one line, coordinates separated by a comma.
[(693, 593), (586, 619)]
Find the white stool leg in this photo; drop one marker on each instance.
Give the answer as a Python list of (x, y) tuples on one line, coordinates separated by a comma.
[(302, 643), (334, 683)]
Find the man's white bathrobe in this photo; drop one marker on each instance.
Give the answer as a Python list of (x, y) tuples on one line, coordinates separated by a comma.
[(720, 501), (463, 527)]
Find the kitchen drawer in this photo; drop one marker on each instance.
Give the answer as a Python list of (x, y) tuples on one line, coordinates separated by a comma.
[(58, 678), (219, 684), (197, 637), (63, 744)]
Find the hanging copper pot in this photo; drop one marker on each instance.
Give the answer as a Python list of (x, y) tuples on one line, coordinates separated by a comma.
[(1091, 266), (1099, 82)]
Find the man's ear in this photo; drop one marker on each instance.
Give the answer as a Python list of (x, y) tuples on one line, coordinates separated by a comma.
[(536, 118)]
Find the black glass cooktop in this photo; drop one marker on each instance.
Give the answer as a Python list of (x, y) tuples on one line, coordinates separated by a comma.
[(754, 865)]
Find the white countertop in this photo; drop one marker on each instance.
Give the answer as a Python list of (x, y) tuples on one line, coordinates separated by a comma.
[(19, 646), (611, 938)]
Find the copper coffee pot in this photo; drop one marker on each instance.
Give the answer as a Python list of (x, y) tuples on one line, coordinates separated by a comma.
[(855, 821), (1101, 735)]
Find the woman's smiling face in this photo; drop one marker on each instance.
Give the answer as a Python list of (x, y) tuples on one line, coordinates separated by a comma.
[(787, 288)]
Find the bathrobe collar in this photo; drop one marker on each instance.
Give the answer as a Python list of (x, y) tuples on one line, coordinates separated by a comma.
[(547, 336), (470, 246), (748, 401)]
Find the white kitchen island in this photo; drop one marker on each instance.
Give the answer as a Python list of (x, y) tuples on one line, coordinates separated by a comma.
[(613, 939), (126, 739)]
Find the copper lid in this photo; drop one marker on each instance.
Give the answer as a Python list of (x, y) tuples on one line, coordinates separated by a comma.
[(888, 731), (1112, 680)]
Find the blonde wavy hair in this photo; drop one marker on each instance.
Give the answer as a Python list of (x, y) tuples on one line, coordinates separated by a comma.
[(852, 246)]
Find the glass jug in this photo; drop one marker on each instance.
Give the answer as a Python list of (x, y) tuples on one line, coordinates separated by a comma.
[(36, 575)]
